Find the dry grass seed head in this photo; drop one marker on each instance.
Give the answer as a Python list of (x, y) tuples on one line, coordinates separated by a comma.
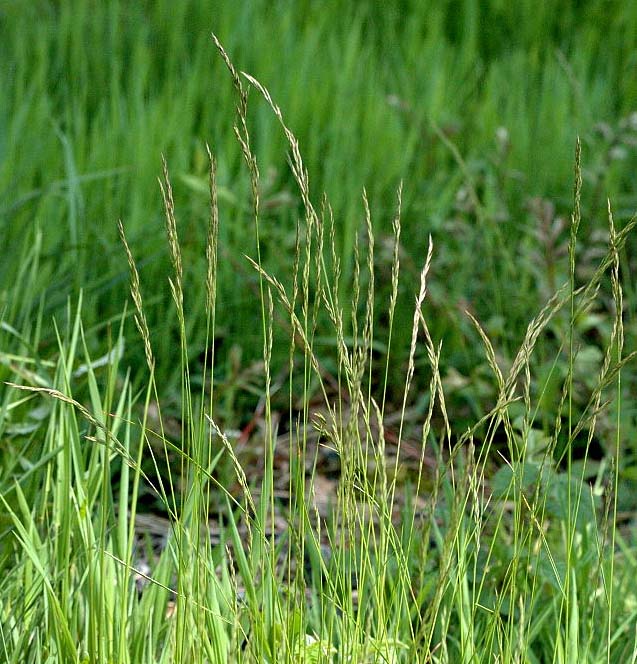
[(176, 285), (213, 237), (140, 316)]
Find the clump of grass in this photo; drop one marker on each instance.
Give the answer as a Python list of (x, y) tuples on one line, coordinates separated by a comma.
[(459, 564)]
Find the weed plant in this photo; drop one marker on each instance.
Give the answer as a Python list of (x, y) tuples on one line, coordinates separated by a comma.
[(452, 564)]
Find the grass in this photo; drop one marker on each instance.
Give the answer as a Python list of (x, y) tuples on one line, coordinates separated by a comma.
[(498, 541)]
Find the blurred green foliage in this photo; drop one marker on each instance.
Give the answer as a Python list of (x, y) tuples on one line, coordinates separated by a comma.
[(474, 105)]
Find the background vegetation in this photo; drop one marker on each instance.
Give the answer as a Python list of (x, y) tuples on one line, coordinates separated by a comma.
[(474, 106)]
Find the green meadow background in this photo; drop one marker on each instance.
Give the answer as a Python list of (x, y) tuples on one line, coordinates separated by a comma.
[(474, 106)]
